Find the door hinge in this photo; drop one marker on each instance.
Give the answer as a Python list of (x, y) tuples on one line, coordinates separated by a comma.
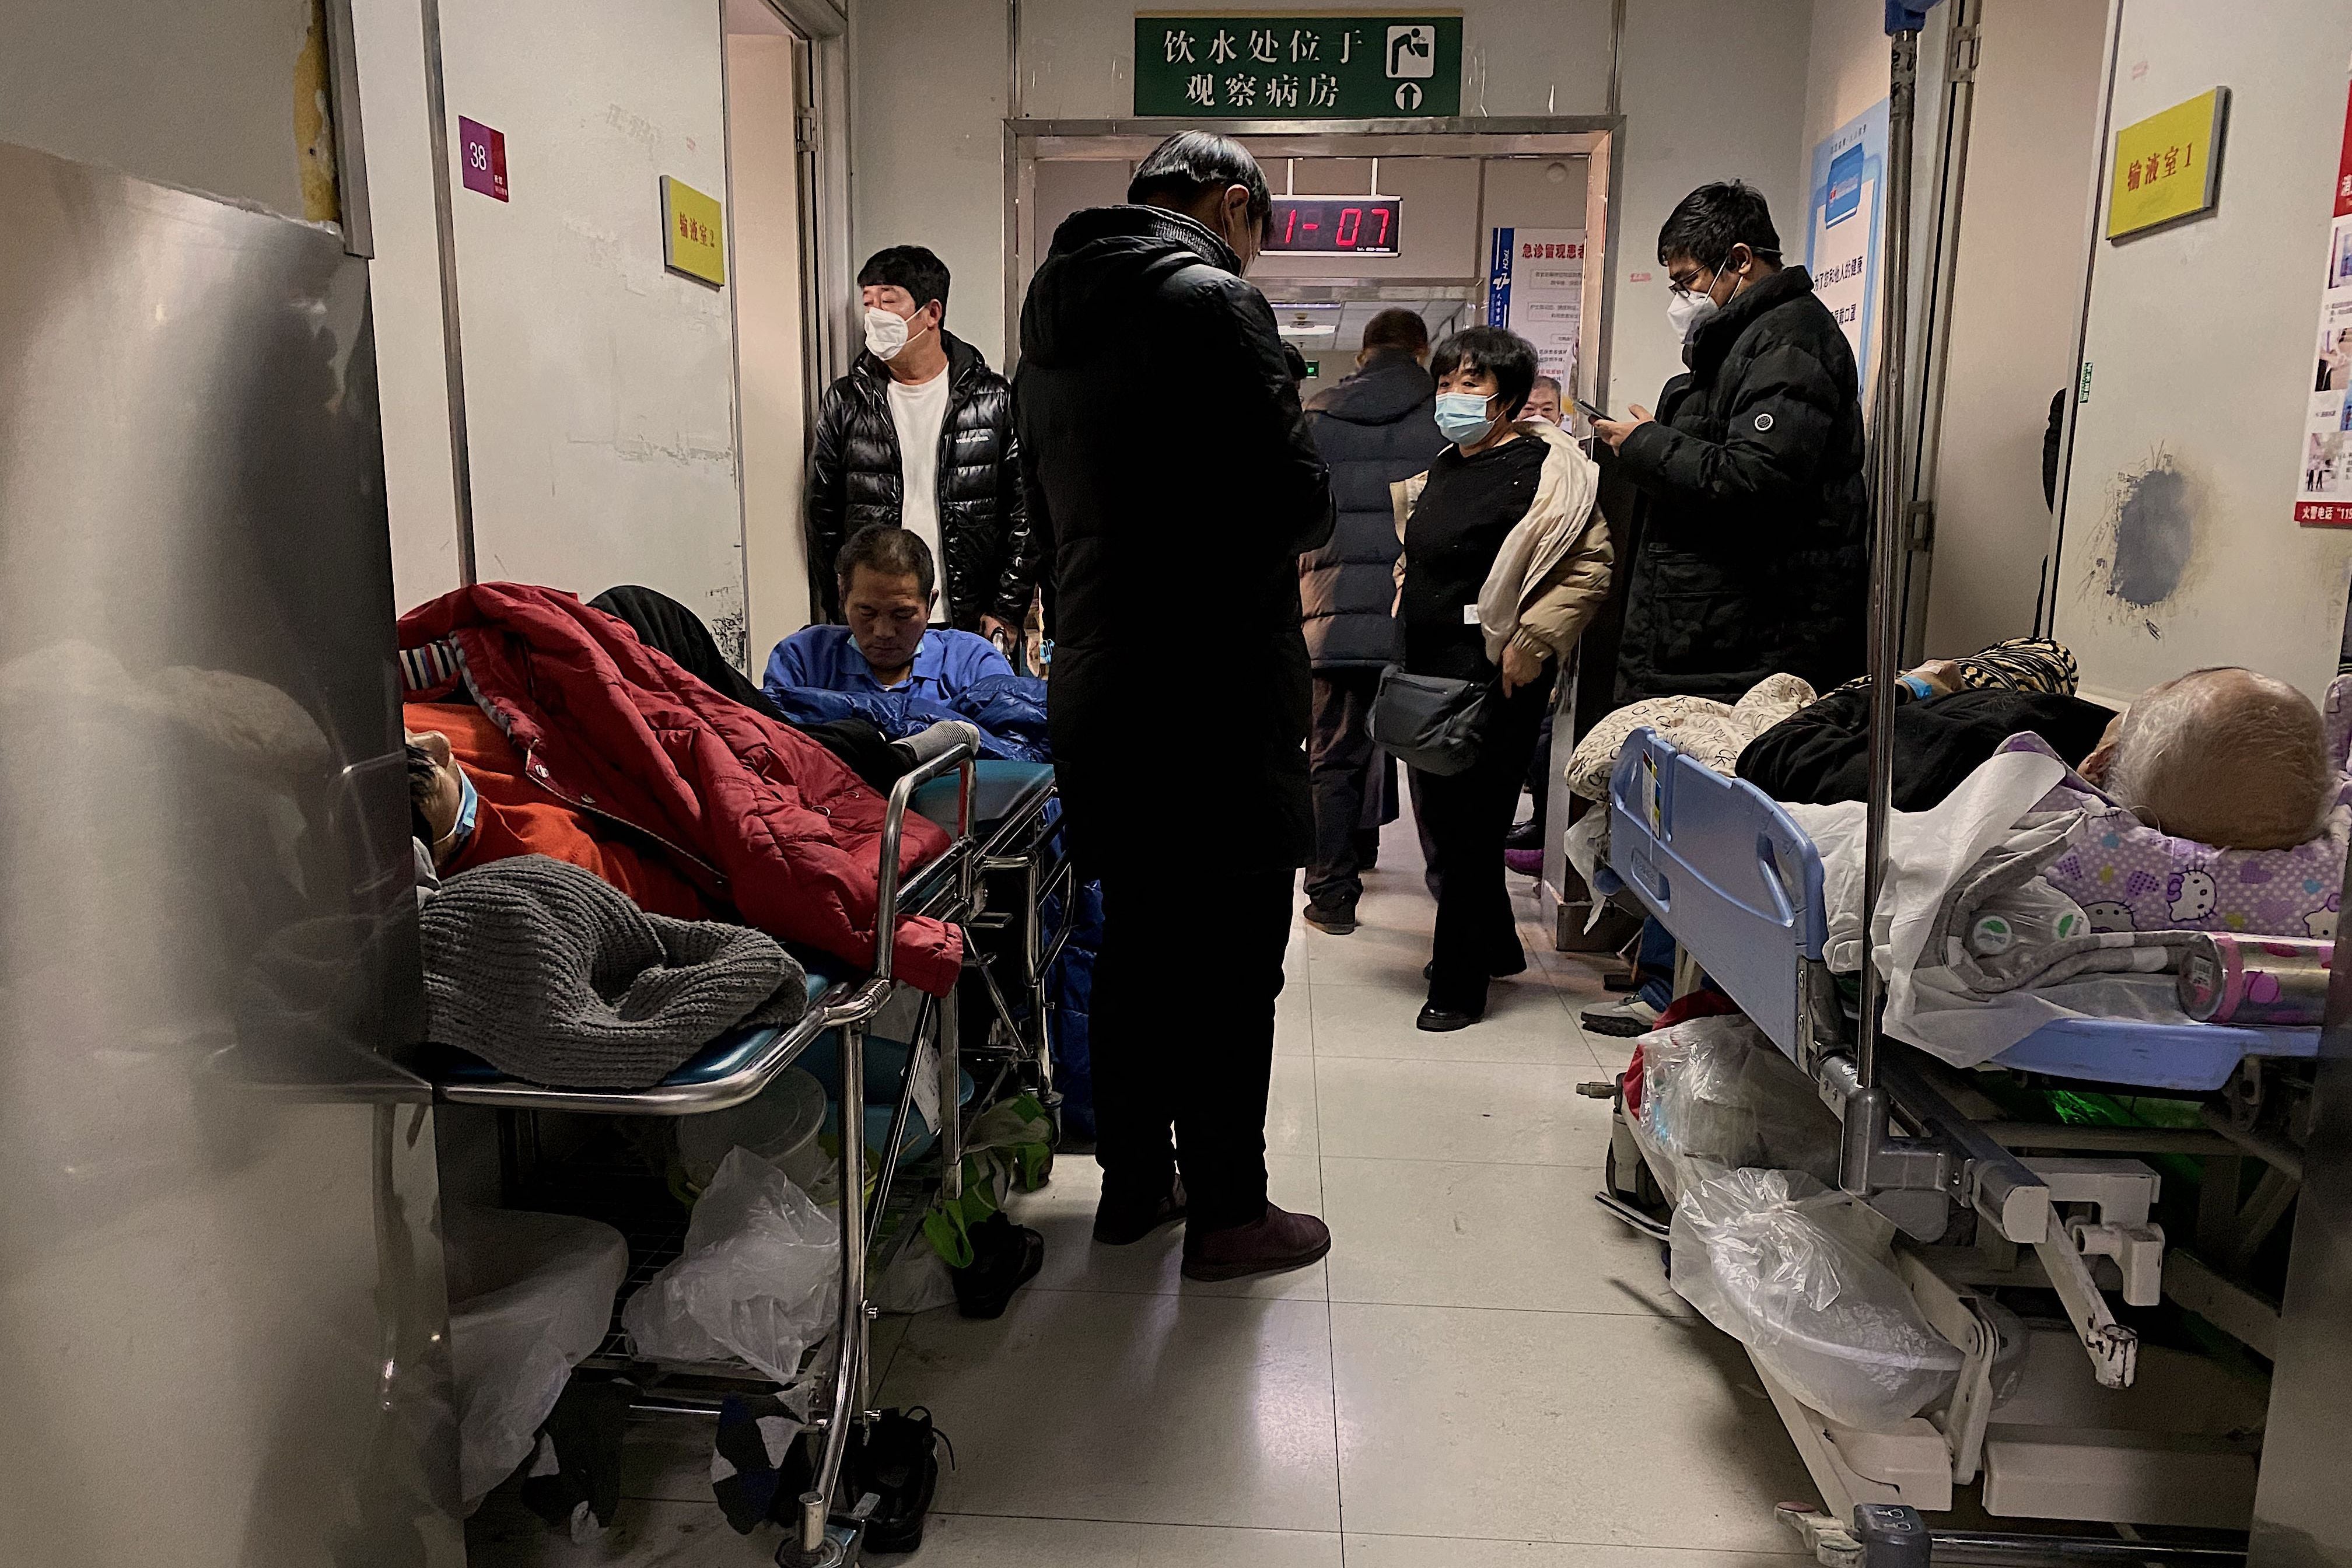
[(1967, 50), (805, 131), (1922, 525)]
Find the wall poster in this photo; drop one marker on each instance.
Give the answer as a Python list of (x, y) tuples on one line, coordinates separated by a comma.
[(1534, 287), (1843, 221), (2323, 496)]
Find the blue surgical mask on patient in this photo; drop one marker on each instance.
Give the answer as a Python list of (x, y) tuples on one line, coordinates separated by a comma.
[(461, 832), (1462, 417)]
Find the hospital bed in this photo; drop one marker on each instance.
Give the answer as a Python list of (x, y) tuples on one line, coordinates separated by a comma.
[(2113, 1431), (996, 811)]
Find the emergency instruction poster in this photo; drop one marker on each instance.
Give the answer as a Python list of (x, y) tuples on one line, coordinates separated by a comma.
[(1534, 287), (1843, 223), (2323, 497)]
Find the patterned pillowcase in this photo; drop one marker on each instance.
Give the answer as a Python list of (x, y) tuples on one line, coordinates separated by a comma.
[(2128, 876)]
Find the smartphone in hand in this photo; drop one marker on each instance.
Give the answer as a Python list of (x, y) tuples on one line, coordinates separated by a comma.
[(1591, 410)]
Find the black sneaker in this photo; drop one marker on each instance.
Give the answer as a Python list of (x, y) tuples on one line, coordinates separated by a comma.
[(1527, 834), (1004, 1258), (894, 1459), (1336, 915)]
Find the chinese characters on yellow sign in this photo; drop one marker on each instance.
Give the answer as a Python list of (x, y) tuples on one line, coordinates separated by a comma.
[(694, 235), (2168, 166)]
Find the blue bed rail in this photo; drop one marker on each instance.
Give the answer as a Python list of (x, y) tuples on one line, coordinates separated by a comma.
[(1735, 879)]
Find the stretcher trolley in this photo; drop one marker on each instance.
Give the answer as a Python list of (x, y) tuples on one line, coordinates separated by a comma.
[(2145, 1414), (988, 806), (1020, 917)]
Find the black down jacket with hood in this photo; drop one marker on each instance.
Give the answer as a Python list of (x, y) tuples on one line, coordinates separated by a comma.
[(855, 479), (1752, 554), (1172, 477), (1376, 427)]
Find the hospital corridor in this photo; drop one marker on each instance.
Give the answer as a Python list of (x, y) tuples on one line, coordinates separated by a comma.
[(1488, 1368), (1069, 783)]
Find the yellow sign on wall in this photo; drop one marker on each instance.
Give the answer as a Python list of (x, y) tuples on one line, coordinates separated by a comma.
[(2169, 165), (694, 232)]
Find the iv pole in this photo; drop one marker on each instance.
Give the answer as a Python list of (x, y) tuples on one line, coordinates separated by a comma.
[(1866, 1119)]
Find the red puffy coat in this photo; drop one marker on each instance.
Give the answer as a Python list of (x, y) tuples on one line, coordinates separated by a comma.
[(755, 813)]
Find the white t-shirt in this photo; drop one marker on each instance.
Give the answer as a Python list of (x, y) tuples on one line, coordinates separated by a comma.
[(918, 411)]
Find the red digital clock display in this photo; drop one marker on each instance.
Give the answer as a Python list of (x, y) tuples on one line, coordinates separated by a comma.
[(1344, 226)]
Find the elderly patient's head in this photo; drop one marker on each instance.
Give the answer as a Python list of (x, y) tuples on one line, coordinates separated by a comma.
[(2224, 757)]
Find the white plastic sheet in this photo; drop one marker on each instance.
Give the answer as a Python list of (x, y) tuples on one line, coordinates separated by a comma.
[(1717, 1094), (1803, 1277), (759, 1280), (530, 1296)]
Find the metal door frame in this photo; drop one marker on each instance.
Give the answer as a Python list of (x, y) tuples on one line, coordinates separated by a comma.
[(1596, 137)]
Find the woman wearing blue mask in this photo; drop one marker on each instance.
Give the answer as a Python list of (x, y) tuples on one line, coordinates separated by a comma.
[(1505, 561)]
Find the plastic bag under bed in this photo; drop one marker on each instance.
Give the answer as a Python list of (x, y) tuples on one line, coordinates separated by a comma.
[(1805, 1278), (1718, 1095)]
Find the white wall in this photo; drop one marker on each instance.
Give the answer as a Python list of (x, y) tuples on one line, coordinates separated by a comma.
[(926, 149), (2016, 301), (1707, 95), (2202, 342), (765, 174), (405, 290), (599, 386), (1715, 94), (199, 94)]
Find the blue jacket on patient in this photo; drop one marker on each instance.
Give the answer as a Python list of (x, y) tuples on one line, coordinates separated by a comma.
[(947, 661), (817, 674)]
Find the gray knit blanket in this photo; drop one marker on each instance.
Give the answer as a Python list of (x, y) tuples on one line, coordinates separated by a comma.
[(550, 974)]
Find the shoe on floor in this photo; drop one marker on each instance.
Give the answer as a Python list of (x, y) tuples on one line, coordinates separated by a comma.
[(1122, 1223), (1526, 862), (1004, 1258), (896, 1458), (1527, 834), (1280, 1241), (1626, 1016), (1439, 1020), (1336, 915)]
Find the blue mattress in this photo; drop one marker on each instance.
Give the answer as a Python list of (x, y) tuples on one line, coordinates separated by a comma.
[(1739, 885)]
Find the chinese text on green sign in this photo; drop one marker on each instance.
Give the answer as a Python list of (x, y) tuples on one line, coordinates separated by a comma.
[(1298, 68)]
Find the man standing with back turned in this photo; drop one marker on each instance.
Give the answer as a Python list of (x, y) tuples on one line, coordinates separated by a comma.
[(1376, 427), (1174, 549)]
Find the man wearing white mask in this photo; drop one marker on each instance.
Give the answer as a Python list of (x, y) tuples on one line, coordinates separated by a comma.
[(920, 436), (1751, 521), (1752, 532)]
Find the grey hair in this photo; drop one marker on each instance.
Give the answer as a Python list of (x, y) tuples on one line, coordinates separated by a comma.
[(2226, 757)]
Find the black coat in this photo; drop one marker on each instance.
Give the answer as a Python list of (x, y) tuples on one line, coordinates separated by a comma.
[(1820, 754), (1170, 469), (855, 479), (1753, 549), (1376, 427)]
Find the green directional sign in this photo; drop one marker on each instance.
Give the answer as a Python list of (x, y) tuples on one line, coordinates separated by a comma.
[(1233, 66)]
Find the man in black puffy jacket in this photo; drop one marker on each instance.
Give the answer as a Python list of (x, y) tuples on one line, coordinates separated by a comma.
[(1752, 539), (1376, 427), (920, 436), (1179, 690)]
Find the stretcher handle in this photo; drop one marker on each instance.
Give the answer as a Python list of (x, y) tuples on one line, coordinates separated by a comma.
[(959, 756)]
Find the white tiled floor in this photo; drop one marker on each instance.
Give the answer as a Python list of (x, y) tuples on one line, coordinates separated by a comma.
[(1487, 1371)]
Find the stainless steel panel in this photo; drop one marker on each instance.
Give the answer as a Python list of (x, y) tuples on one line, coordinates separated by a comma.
[(221, 1301)]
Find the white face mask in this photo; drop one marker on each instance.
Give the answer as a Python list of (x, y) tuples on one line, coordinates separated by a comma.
[(886, 333), (1688, 312)]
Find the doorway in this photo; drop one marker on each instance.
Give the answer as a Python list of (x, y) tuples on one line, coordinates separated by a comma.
[(1455, 186)]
